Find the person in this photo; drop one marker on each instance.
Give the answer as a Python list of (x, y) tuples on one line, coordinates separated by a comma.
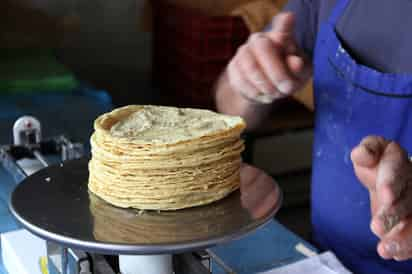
[(358, 53)]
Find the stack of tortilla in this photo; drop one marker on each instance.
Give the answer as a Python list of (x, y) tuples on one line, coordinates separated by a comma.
[(165, 158)]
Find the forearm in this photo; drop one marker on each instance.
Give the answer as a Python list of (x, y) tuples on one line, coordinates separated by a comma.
[(231, 102)]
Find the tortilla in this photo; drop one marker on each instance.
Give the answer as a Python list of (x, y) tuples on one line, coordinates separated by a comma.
[(165, 158)]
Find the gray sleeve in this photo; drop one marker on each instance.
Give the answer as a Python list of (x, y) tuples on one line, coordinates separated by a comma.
[(306, 12)]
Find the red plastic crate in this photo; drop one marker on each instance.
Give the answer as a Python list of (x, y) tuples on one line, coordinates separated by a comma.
[(190, 50)]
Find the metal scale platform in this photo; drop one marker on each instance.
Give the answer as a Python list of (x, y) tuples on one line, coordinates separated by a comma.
[(54, 204)]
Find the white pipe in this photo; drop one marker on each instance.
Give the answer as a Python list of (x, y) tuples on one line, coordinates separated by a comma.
[(147, 264)]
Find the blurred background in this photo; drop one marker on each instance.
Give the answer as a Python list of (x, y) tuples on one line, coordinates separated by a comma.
[(67, 61)]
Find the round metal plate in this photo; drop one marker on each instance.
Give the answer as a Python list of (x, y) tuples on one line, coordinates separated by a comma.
[(55, 204)]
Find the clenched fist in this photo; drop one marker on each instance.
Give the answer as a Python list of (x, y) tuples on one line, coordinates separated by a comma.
[(384, 168)]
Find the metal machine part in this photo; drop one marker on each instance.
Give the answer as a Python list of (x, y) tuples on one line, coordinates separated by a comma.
[(147, 264), (204, 257), (63, 260), (188, 263), (26, 131), (67, 261), (29, 145), (76, 230), (78, 219)]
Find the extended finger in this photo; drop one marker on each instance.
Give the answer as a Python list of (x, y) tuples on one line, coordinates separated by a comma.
[(365, 158), (273, 62)]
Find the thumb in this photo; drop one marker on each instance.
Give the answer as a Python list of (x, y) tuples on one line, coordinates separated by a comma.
[(284, 23), (369, 151), (365, 158)]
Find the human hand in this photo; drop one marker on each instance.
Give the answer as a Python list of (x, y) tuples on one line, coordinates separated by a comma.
[(269, 65), (384, 169)]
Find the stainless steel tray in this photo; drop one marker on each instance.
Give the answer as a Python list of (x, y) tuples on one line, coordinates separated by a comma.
[(55, 204)]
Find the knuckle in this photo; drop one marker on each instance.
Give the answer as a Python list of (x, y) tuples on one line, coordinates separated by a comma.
[(281, 39), (400, 210), (263, 42), (231, 69), (396, 150), (235, 83), (379, 139), (250, 65), (255, 36), (390, 221), (248, 93), (370, 140), (241, 50), (252, 93), (234, 76), (405, 251), (386, 175), (389, 194), (265, 86), (291, 47), (262, 85)]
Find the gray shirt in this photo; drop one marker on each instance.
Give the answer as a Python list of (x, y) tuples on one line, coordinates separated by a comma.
[(378, 33)]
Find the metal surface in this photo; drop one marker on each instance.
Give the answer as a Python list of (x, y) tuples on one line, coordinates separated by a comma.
[(18, 159), (26, 131), (69, 150), (187, 263), (204, 258), (55, 204), (40, 158), (63, 260), (9, 164), (100, 265), (220, 262)]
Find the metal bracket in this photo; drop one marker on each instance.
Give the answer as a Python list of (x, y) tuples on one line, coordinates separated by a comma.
[(11, 154), (69, 150), (10, 165), (189, 263), (63, 260)]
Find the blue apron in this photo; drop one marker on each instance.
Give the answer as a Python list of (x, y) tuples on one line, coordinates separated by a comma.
[(352, 101)]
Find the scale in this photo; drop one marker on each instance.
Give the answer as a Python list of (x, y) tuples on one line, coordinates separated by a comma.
[(80, 228)]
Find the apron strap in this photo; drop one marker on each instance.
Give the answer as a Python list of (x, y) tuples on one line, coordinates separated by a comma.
[(337, 11)]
